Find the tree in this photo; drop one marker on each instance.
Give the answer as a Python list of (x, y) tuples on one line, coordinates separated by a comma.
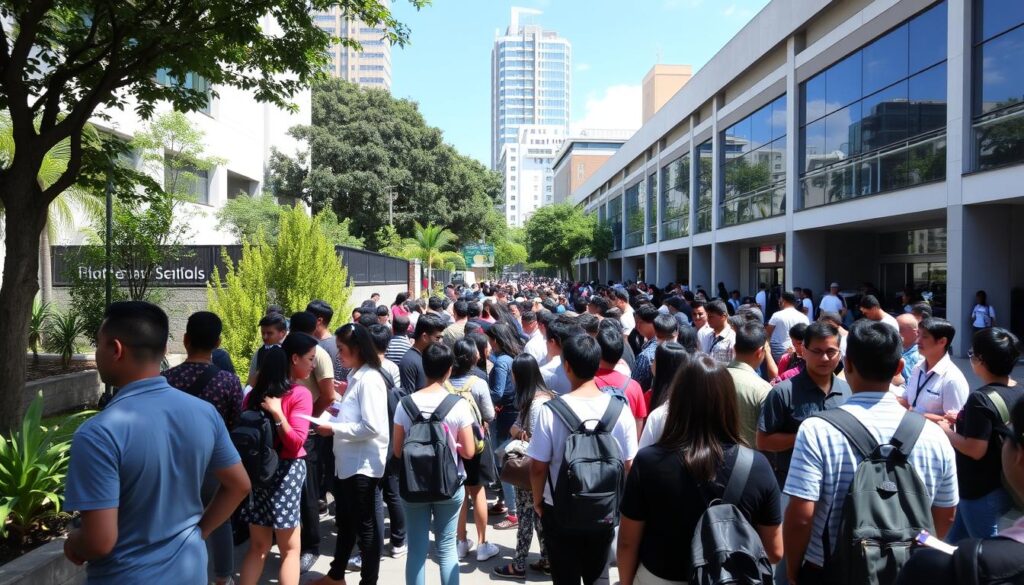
[(302, 267), (508, 254), (431, 245), (559, 234), (368, 149), (64, 61), (389, 241), (245, 216)]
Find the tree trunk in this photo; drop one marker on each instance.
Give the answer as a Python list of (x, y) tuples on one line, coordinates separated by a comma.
[(26, 215), (45, 265)]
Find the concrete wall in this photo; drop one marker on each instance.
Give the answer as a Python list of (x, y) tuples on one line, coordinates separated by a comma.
[(64, 393), (45, 565)]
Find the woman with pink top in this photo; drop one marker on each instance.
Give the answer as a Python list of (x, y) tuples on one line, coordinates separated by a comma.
[(274, 511), (398, 307)]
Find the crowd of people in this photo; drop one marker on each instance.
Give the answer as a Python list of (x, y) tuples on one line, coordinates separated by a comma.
[(684, 436)]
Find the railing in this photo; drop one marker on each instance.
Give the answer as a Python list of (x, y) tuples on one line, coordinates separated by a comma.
[(762, 203), (917, 160), (999, 138), (703, 219)]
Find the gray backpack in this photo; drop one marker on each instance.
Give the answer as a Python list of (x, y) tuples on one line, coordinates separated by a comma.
[(428, 471), (885, 509), (725, 548), (592, 476)]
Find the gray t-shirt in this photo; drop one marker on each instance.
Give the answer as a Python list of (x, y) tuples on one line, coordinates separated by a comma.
[(331, 347)]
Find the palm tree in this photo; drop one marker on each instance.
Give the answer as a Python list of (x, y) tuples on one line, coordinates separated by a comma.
[(431, 245), (61, 212)]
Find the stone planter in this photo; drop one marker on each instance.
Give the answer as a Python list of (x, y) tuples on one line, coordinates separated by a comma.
[(45, 565), (65, 392)]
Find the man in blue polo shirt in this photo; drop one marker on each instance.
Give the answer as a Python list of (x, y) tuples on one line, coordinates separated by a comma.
[(137, 467)]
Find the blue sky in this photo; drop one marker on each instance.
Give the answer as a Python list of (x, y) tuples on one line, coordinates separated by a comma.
[(446, 67)]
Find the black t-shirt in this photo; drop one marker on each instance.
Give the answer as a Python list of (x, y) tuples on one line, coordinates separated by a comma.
[(411, 370), (661, 493), (1001, 561), (979, 417)]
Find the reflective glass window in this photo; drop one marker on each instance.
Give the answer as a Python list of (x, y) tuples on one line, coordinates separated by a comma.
[(814, 98), (999, 61), (924, 29), (675, 198), (842, 131), (885, 60), (779, 117), (813, 139), (843, 83), (738, 135), (635, 204), (615, 221), (761, 127), (997, 16), (884, 118), (652, 208), (928, 100), (704, 184)]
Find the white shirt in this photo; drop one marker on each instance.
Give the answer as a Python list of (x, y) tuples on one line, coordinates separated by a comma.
[(554, 376), (783, 320), (537, 346), (459, 417), (361, 427), (547, 443), (831, 303), (810, 308), (890, 321), (942, 389), (719, 346), (654, 426), (983, 316), (761, 298), (391, 368), (628, 320)]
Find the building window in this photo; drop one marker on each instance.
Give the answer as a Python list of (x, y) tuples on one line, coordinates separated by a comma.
[(615, 222), (652, 208), (754, 179), (876, 121), (675, 198), (192, 81), (182, 178), (636, 204), (704, 182), (998, 86)]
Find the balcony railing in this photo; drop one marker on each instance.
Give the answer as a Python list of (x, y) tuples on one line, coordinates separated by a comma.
[(762, 203), (917, 160), (999, 138)]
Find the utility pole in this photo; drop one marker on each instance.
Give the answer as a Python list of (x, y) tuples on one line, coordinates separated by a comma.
[(392, 193)]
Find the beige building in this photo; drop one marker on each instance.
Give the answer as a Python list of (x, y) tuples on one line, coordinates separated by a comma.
[(660, 84), (581, 156), (370, 67)]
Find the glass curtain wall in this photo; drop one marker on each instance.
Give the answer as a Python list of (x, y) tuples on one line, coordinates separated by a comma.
[(675, 198), (615, 221), (999, 83), (755, 166), (876, 120), (704, 182), (652, 208), (636, 204)]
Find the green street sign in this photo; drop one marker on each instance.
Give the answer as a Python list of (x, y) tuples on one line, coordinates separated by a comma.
[(479, 255)]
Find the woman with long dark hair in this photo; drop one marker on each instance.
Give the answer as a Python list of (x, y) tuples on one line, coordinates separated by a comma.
[(531, 394), (360, 430), (483, 349), (668, 358), (504, 348), (398, 307), (273, 511), (671, 483)]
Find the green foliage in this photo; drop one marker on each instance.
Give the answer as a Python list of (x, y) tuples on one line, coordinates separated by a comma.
[(389, 241), (62, 333), (173, 148), (558, 234), (244, 216), (33, 464), (364, 147), (302, 267), (37, 324), (603, 241), (508, 253)]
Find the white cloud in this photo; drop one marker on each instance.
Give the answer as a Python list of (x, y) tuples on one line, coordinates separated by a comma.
[(734, 11), (620, 107), (582, 67)]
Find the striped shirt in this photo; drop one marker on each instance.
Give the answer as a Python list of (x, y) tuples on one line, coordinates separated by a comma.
[(823, 463), (397, 347)]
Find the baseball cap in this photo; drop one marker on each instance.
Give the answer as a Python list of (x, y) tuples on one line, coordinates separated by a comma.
[(834, 285)]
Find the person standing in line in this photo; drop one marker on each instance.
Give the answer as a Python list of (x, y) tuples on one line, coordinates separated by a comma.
[(983, 315), (552, 371), (780, 323), (200, 377), (398, 307), (141, 511), (832, 302), (429, 330), (936, 385), (751, 389), (323, 446), (441, 516), (808, 301), (360, 434), (387, 491), (761, 298), (610, 340), (273, 329), (911, 355), (399, 343), (977, 438), (689, 465), (699, 313), (718, 338), (535, 344), (872, 309), (457, 330), (647, 319), (505, 347), (274, 511), (621, 299)]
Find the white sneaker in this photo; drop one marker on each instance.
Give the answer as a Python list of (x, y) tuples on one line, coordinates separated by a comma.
[(355, 563), (485, 551), (463, 547), (399, 551)]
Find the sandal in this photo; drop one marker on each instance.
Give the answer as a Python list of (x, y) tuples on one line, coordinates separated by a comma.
[(509, 522), (542, 565), (497, 509), (509, 572)]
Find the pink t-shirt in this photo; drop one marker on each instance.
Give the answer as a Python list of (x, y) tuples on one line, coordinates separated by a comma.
[(296, 401), (398, 310), (634, 394)]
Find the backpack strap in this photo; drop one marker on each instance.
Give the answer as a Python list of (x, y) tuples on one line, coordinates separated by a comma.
[(611, 415), (1000, 404), (907, 432), (411, 409), (388, 378), (212, 370), (863, 443), (446, 406), (738, 478), (563, 412), (967, 562), (622, 389)]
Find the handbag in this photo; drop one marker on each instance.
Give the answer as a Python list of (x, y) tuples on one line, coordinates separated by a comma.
[(515, 467)]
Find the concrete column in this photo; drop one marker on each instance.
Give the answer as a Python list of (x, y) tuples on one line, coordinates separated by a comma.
[(700, 268), (651, 269), (959, 153), (807, 258), (666, 268), (792, 156), (726, 265), (630, 267), (981, 254), (692, 220)]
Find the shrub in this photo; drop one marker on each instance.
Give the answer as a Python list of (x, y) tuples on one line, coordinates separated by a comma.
[(36, 325), (62, 333)]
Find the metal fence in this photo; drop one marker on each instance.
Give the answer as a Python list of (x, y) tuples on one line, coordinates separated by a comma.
[(372, 268)]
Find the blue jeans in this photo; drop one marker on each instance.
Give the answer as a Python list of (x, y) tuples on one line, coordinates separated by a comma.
[(508, 491), (979, 518), (445, 517)]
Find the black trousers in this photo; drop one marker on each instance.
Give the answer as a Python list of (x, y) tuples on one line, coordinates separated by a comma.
[(387, 495), (356, 515), (310, 500), (811, 575), (575, 557)]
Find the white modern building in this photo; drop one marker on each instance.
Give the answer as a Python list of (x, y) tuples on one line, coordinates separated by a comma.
[(369, 67), (863, 141), (526, 166)]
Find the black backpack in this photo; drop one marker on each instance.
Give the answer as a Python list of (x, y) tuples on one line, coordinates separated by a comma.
[(592, 476), (886, 507), (619, 391), (253, 437), (725, 548), (428, 471)]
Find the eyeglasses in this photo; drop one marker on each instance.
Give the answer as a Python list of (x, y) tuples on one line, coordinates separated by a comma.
[(971, 356), (831, 353)]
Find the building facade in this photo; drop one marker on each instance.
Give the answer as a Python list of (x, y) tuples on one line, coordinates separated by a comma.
[(526, 166), (369, 67), (581, 156), (531, 81), (871, 142)]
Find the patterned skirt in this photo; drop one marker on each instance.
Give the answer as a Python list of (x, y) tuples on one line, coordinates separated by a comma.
[(278, 507)]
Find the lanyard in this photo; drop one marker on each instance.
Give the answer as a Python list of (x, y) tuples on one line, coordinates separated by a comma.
[(718, 338), (920, 385)]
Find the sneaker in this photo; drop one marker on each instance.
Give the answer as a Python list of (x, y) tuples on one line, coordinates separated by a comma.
[(485, 551), (508, 523), (463, 547), (399, 551), (355, 563), (307, 560)]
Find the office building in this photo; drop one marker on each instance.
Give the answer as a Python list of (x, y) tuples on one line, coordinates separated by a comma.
[(660, 84), (581, 155), (869, 142), (369, 67), (526, 166)]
